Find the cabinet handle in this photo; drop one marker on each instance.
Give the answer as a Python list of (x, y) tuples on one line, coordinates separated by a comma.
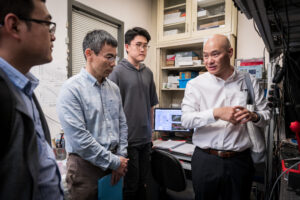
[(193, 26), (187, 27)]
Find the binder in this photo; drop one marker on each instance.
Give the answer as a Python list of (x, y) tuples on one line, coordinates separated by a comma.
[(106, 191)]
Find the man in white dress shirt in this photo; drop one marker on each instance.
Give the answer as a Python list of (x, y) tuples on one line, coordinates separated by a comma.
[(215, 105)]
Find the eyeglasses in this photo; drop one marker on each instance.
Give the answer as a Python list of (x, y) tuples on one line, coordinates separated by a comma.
[(141, 45), (112, 58), (51, 25)]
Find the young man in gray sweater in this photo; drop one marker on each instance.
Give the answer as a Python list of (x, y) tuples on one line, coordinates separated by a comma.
[(139, 96)]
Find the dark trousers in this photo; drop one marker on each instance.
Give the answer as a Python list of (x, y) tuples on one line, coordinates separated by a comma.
[(138, 174), (82, 178), (216, 178)]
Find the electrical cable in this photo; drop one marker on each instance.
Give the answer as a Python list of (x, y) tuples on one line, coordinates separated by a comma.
[(255, 28), (280, 177)]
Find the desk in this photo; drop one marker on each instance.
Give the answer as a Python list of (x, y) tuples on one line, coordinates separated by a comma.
[(184, 158)]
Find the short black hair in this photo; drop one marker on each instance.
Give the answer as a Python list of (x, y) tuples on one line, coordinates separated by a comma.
[(21, 8), (96, 39), (131, 33)]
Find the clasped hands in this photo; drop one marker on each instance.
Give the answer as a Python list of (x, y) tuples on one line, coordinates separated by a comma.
[(121, 171), (235, 115)]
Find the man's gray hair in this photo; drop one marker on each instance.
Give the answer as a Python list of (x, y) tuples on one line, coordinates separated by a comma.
[(96, 39)]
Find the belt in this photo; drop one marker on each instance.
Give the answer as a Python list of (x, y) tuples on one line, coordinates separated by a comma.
[(223, 154)]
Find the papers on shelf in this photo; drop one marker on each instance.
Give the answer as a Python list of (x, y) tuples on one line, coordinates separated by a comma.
[(169, 144), (174, 20), (185, 148)]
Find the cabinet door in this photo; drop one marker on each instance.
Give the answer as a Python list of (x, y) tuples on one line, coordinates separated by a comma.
[(174, 19), (213, 16)]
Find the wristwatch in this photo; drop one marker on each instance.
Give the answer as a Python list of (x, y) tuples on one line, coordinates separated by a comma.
[(257, 117)]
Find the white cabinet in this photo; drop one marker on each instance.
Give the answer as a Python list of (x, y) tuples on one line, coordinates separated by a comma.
[(189, 19)]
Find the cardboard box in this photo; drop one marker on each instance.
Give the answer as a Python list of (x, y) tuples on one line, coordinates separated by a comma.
[(172, 11), (170, 62), (187, 75), (211, 24)]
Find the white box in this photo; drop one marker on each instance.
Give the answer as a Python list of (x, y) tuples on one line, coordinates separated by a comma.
[(173, 79), (171, 32), (179, 61), (197, 62), (184, 63), (174, 20), (202, 13), (173, 15)]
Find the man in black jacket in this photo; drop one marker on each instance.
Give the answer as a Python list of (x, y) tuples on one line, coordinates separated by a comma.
[(27, 164)]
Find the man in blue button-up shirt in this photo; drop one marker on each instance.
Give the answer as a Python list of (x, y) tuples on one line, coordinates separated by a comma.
[(91, 114), (27, 164)]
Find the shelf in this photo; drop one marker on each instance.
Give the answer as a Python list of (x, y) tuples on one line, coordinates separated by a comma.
[(177, 24), (211, 17), (207, 3), (175, 6), (172, 89), (184, 67)]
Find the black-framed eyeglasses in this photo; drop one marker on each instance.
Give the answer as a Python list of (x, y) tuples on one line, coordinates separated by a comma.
[(51, 25), (142, 46)]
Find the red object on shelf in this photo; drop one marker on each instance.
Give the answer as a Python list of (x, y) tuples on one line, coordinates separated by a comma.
[(290, 170), (245, 63), (295, 127)]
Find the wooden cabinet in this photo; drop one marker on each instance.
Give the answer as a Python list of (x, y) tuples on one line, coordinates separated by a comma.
[(189, 19)]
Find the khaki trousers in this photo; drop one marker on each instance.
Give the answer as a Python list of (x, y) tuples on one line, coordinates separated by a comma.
[(82, 178)]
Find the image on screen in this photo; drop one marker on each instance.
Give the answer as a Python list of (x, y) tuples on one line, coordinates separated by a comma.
[(169, 120)]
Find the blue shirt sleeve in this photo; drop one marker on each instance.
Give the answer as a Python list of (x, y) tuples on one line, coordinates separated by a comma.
[(69, 108)]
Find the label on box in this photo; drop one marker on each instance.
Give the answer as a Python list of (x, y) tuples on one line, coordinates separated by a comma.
[(171, 57)]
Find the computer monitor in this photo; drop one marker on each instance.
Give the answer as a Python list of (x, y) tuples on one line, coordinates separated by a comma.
[(168, 120)]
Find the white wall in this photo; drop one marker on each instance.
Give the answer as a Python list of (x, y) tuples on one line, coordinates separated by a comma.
[(52, 75), (249, 43)]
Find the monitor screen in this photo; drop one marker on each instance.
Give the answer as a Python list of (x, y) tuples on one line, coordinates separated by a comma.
[(168, 120)]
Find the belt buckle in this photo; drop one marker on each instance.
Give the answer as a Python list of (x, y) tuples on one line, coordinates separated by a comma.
[(220, 153)]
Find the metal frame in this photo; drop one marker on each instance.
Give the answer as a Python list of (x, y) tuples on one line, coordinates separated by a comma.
[(72, 4)]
